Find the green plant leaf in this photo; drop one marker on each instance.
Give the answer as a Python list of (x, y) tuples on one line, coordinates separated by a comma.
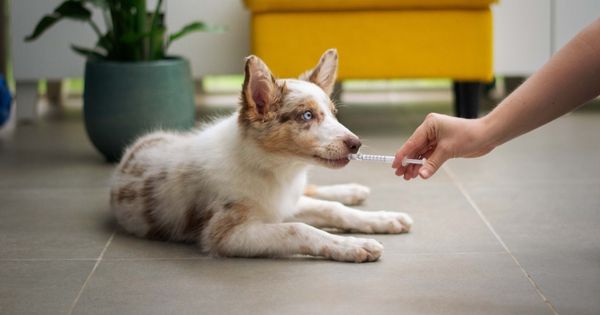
[(193, 27), (88, 53), (69, 9), (131, 37), (74, 10), (42, 26), (157, 49), (105, 42)]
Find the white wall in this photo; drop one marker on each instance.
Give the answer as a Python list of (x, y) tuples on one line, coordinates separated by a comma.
[(526, 34), (50, 55), (212, 53)]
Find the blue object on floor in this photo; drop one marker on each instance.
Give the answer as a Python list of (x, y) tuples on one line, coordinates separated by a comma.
[(5, 101)]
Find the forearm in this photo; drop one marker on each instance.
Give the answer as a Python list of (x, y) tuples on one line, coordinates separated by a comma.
[(569, 79)]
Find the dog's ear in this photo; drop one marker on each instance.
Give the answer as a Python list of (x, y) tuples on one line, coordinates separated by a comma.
[(259, 91), (325, 73)]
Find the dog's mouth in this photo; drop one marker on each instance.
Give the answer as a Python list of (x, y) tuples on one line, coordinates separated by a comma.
[(332, 163)]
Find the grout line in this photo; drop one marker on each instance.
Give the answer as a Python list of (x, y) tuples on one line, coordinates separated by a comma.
[(158, 258), (45, 259), (91, 272), (442, 255), (462, 189)]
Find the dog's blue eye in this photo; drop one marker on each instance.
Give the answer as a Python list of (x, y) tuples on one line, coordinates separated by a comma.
[(307, 115)]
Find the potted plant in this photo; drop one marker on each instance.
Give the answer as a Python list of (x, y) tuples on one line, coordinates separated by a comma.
[(131, 85)]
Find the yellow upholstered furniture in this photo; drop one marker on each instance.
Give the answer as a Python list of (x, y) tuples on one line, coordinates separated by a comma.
[(379, 39)]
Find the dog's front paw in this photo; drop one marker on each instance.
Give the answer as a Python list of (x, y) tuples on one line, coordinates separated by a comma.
[(387, 222), (353, 249), (348, 194)]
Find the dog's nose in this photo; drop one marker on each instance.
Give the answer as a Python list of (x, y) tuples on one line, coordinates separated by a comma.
[(353, 144)]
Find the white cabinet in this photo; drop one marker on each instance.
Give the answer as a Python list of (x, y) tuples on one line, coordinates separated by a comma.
[(570, 17), (528, 32), (521, 36)]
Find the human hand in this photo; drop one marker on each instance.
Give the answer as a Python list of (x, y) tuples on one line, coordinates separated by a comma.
[(439, 138)]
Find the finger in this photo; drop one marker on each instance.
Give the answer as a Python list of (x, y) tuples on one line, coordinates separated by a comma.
[(425, 153), (416, 142), (407, 172), (410, 170), (433, 163), (400, 171), (415, 171)]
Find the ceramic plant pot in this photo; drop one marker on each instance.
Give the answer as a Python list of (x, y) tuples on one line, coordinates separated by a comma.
[(123, 100)]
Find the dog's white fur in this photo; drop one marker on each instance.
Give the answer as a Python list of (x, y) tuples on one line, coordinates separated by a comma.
[(238, 186)]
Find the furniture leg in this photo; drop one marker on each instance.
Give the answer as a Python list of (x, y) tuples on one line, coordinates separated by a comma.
[(26, 99), (466, 98)]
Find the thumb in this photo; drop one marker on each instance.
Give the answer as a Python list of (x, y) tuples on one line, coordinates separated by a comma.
[(433, 163)]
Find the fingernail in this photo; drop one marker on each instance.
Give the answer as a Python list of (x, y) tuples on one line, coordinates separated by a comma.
[(425, 173)]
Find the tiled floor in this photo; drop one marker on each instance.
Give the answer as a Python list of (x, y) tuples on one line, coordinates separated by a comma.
[(515, 232)]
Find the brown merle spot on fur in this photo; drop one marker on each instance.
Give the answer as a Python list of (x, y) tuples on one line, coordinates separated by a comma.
[(325, 251), (295, 111), (305, 250), (292, 231), (196, 220), (126, 193), (136, 170), (150, 202), (223, 225), (147, 143)]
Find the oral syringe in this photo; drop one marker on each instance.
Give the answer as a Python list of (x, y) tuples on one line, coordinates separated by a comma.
[(384, 158)]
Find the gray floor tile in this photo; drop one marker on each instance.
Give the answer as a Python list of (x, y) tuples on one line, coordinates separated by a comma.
[(543, 217), (444, 221), (539, 192), (552, 229), (564, 151), (42, 174), (455, 284), (51, 154), (53, 223), (570, 280), (126, 246), (41, 287)]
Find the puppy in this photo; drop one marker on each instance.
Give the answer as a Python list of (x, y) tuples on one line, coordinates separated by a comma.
[(238, 187)]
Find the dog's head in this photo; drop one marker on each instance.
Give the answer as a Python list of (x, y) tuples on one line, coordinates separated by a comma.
[(296, 117)]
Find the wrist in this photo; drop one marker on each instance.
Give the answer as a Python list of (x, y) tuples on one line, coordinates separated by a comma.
[(487, 136)]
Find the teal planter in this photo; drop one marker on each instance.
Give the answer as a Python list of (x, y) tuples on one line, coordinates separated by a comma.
[(123, 100)]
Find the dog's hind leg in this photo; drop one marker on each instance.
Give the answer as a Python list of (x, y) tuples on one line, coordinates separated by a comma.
[(348, 194), (332, 214)]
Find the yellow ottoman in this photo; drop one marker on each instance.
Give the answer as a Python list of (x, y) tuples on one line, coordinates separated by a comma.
[(381, 39)]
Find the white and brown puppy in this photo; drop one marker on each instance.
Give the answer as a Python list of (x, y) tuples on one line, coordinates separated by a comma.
[(239, 186)]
